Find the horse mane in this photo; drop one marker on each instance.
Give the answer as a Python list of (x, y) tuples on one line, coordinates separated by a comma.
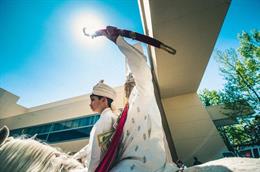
[(27, 154)]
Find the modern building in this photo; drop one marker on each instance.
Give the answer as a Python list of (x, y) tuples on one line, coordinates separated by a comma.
[(192, 28), (65, 124)]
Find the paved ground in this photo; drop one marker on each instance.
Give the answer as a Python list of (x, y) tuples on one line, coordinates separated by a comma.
[(227, 165)]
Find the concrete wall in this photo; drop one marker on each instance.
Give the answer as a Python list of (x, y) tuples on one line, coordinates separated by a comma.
[(8, 104), (71, 146), (221, 112), (193, 131), (217, 112), (57, 111)]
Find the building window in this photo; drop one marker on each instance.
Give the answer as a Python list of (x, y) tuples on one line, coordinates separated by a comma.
[(60, 131)]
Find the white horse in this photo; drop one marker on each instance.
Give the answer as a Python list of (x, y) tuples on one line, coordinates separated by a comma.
[(29, 155)]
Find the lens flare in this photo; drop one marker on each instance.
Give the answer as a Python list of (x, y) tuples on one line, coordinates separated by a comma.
[(91, 23)]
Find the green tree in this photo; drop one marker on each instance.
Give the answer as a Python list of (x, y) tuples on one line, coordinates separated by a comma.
[(209, 98), (241, 70)]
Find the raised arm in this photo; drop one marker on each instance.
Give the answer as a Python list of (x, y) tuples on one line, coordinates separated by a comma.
[(135, 60), (137, 63)]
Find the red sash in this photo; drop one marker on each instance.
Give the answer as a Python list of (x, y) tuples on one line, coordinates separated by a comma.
[(110, 155)]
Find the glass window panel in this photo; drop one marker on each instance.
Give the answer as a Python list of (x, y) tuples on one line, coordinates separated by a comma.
[(59, 126), (87, 121), (68, 124), (42, 137), (15, 132), (75, 128), (97, 118), (83, 122), (26, 131), (33, 130), (256, 153), (246, 153), (40, 129), (69, 135), (75, 123), (45, 128), (55, 127), (90, 120)]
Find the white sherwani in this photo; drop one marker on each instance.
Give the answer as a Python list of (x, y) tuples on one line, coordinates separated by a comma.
[(92, 153), (142, 147)]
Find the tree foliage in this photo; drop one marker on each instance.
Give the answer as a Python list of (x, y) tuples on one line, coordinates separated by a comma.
[(209, 98), (247, 132), (241, 70)]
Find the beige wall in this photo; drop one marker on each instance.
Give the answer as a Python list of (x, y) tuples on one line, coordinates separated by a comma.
[(71, 146), (217, 112), (8, 104), (57, 111), (193, 131), (221, 112)]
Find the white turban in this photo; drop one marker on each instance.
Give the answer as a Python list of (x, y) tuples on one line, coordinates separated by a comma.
[(104, 90)]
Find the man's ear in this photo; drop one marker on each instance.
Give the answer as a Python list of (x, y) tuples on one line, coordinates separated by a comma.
[(104, 99), (4, 133)]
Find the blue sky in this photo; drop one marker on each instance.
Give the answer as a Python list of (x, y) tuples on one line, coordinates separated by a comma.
[(242, 15), (45, 57)]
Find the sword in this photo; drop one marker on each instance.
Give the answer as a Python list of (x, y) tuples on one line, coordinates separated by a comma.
[(133, 35)]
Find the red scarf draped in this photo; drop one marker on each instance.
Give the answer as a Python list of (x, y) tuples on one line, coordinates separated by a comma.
[(110, 155)]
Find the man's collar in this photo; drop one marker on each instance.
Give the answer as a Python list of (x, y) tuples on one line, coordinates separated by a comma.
[(105, 110)]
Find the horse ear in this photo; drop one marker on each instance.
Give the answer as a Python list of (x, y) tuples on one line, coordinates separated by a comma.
[(4, 133)]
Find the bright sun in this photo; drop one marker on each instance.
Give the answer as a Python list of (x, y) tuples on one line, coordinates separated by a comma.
[(90, 21)]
